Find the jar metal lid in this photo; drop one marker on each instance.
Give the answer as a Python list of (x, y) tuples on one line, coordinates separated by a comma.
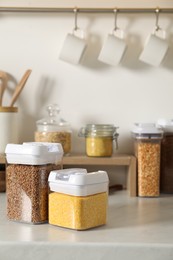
[(99, 130)]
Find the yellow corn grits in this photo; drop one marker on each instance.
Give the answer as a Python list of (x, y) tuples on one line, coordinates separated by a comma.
[(77, 212), (99, 146)]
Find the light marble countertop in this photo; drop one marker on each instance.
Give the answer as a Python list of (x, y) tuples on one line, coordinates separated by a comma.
[(137, 228)]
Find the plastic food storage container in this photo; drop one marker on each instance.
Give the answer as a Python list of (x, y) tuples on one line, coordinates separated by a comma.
[(2, 178), (54, 129), (77, 199), (147, 150), (99, 139), (166, 173), (27, 170)]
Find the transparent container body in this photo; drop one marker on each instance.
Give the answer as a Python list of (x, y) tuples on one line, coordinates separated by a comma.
[(78, 212), (147, 152), (63, 137), (27, 192), (54, 129), (99, 139), (166, 174)]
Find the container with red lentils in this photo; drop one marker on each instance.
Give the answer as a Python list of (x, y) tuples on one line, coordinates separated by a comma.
[(77, 199), (27, 171), (147, 140)]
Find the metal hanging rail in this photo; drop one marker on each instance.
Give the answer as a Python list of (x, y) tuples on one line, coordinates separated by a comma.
[(83, 10)]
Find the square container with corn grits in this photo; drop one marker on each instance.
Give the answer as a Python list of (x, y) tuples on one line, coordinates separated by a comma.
[(77, 199)]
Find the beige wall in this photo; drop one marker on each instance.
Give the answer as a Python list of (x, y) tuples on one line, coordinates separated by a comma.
[(90, 92)]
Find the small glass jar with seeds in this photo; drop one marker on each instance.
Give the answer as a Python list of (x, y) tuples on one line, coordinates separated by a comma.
[(147, 150), (27, 171), (54, 129), (77, 199), (99, 139)]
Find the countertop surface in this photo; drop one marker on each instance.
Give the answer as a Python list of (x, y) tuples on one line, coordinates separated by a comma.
[(137, 228)]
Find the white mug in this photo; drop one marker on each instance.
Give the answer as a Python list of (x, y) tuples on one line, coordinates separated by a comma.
[(113, 48), (9, 126), (73, 48), (155, 49)]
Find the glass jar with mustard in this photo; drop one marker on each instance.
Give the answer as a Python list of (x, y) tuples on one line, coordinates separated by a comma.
[(99, 139)]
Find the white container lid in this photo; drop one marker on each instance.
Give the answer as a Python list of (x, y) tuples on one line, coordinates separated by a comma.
[(34, 153), (147, 130), (78, 182), (165, 125)]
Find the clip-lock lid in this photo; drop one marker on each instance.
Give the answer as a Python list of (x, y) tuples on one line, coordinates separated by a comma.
[(34, 153), (99, 130), (78, 182)]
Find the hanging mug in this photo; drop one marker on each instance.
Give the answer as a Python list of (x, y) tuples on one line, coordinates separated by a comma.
[(113, 48), (73, 47), (155, 48)]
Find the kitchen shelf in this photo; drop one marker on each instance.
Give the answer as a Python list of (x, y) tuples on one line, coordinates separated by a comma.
[(115, 160)]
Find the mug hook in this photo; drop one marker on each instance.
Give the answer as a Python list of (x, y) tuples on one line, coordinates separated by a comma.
[(75, 19), (157, 27), (115, 19)]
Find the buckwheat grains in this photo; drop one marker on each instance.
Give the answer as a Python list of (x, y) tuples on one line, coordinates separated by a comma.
[(27, 192)]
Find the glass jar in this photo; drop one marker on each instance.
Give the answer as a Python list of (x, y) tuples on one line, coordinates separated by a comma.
[(147, 150), (77, 199), (99, 139), (54, 129), (27, 171)]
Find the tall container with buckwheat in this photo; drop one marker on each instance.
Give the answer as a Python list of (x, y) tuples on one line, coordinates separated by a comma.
[(147, 140), (28, 168), (54, 129)]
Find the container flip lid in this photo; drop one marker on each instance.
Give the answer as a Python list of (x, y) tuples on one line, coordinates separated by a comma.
[(165, 125), (147, 129), (78, 182), (34, 153)]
